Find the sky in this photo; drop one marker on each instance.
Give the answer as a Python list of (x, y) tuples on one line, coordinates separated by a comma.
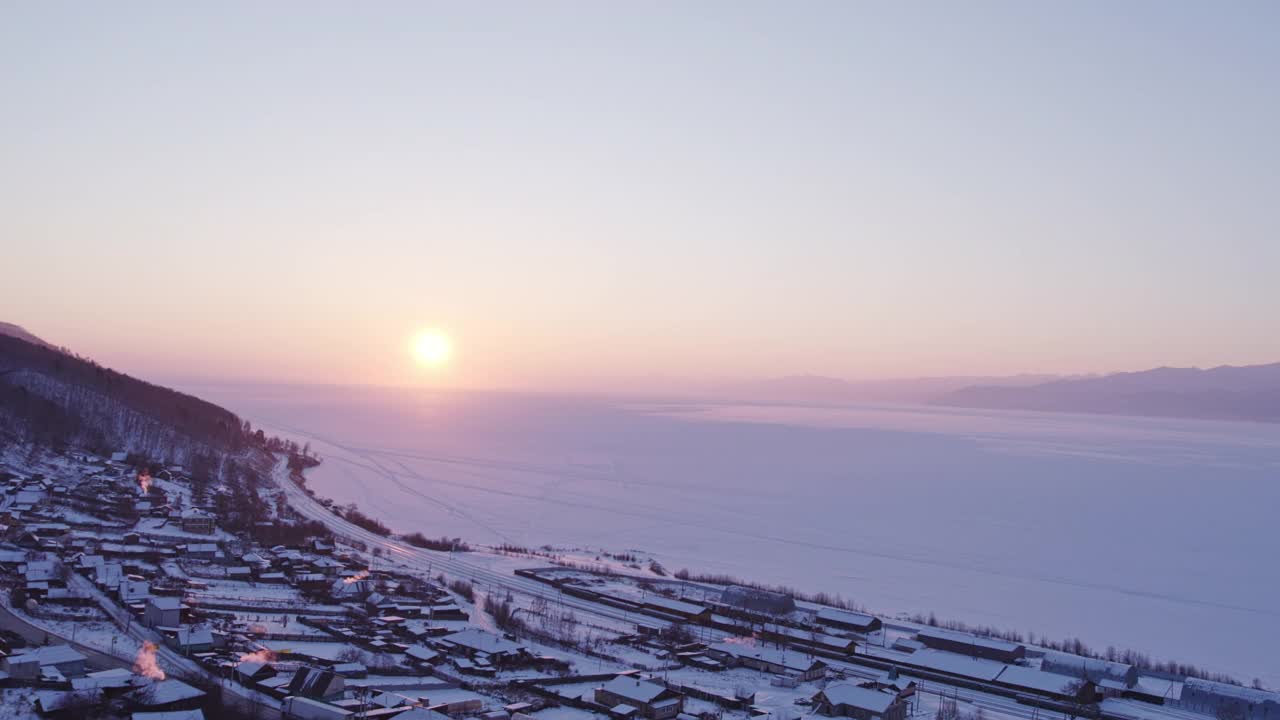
[(595, 195)]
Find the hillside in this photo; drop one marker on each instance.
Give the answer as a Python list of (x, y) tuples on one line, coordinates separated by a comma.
[(17, 331), (55, 398), (1221, 393)]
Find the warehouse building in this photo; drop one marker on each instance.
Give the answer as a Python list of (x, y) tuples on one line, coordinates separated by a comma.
[(966, 644)]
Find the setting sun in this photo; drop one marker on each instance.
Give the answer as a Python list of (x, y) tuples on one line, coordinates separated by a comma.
[(431, 348)]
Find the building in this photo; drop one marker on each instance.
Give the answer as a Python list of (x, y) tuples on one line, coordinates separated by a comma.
[(192, 639), (475, 643), (168, 694), (811, 637), (690, 612), (1092, 669), (757, 601), (1222, 700), (966, 644), (768, 659), (195, 520), (202, 551), (132, 591), (317, 684), (629, 695), (845, 620), (162, 611), (851, 701), (28, 664)]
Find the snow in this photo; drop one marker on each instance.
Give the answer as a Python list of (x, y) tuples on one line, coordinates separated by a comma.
[(1140, 533)]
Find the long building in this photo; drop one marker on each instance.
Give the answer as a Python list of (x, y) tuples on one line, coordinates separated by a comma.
[(1229, 701), (845, 620), (967, 644)]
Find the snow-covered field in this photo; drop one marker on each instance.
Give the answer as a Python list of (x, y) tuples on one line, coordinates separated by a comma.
[(1159, 535)]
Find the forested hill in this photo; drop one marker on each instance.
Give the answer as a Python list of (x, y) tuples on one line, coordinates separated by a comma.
[(51, 397)]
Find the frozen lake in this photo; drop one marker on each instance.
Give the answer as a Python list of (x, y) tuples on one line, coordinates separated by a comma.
[(1153, 534)]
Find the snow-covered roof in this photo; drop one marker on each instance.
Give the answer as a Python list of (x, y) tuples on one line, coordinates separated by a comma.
[(194, 636), (679, 606), (1237, 692), (164, 692), (786, 659), (844, 617), (481, 641), (968, 639), (49, 655), (987, 670), (858, 697), (164, 602), (421, 652), (634, 689), (1032, 679), (1082, 667), (113, 678)]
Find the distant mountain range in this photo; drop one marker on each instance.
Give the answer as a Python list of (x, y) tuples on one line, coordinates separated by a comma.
[(819, 390), (1223, 393)]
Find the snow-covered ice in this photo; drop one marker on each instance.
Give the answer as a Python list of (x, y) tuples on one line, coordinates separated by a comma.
[(1153, 534)]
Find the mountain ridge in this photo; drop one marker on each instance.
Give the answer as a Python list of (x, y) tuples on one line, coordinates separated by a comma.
[(1223, 392)]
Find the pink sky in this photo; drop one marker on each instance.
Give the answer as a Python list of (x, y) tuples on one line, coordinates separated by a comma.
[(588, 199)]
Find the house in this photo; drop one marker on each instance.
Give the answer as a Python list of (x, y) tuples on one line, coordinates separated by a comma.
[(851, 701), (317, 684), (192, 639), (967, 644), (475, 643), (31, 662), (108, 575), (422, 654), (250, 672), (202, 551), (64, 704), (132, 591), (167, 694), (845, 620), (162, 611), (109, 681), (767, 659), (195, 520), (629, 695)]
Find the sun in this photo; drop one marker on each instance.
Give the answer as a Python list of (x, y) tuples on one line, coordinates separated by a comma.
[(431, 348)]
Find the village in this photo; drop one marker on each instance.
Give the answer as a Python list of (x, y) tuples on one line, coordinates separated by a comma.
[(126, 596)]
